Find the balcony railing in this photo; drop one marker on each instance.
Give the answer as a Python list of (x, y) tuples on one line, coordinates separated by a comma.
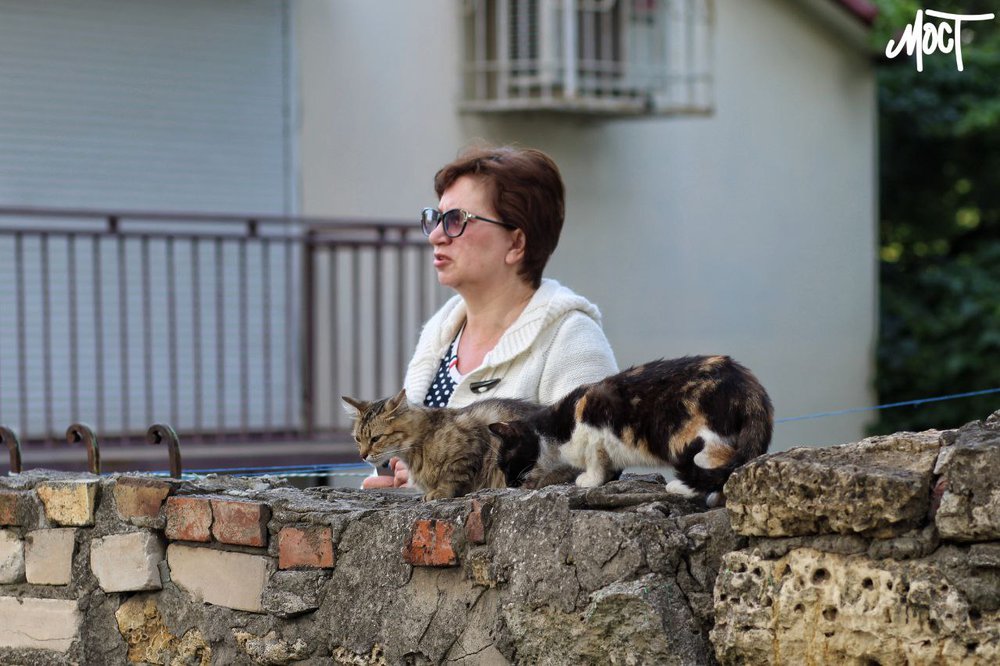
[(241, 331)]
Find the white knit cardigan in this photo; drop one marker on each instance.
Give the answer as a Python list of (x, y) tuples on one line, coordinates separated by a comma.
[(555, 345)]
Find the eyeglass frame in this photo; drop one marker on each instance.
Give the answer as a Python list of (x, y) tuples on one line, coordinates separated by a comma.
[(465, 217)]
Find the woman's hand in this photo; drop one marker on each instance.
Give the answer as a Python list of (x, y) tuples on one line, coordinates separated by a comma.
[(400, 476)]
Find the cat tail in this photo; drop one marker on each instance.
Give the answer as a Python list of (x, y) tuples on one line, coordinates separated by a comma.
[(707, 465), (754, 437), (704, 479)]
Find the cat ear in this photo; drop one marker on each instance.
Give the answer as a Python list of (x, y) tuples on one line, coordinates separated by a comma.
[(353, 407), (395, 402), (502, 430)]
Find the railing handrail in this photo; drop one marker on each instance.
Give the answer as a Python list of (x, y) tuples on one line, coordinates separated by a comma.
[(309, 222)]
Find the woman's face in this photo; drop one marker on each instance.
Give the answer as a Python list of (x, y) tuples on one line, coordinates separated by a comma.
[(482, 255)]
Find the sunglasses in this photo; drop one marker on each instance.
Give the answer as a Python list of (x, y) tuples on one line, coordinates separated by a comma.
[(453, 221)]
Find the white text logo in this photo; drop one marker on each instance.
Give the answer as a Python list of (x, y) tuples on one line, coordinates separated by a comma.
[(926, 38)]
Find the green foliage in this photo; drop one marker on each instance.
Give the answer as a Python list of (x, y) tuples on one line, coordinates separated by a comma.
[(940, 224)]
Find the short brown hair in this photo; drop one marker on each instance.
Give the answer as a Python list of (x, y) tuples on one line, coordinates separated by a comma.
[(527, 191)]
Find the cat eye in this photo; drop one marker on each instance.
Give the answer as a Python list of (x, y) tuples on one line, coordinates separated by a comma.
[(453, 221), (376, 438)]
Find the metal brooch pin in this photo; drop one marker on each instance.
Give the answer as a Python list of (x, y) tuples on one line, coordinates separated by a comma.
[(482, 387)]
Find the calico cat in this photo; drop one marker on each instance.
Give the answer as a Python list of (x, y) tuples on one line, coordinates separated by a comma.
[(450, 452), (704, 415)]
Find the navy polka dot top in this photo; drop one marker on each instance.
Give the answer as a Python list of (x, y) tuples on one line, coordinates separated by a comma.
[(446, 379)]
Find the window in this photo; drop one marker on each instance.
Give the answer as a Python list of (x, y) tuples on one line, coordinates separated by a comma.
[(589, 56)]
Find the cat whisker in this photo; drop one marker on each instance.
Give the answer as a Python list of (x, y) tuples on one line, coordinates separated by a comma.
[(386, 455)]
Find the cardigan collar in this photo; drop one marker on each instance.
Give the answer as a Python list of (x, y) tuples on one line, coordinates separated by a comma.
[(549, 302)]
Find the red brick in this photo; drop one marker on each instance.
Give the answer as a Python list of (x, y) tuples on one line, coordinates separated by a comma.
[(429, 544), (189, 519), (12, 507), (305, 548), (140, 498), (475, 532), (240, 523)]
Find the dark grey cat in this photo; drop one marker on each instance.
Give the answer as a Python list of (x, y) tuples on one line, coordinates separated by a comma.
[(703, 415)]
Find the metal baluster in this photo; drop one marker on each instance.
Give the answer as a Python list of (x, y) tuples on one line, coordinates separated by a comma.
[(9, 437), (159, 433), (80, 432)]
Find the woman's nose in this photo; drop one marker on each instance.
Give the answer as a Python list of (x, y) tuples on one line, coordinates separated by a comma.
[(438, 236)]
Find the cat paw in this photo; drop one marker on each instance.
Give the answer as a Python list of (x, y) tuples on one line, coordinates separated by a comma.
[(589, 480), (678, 487)]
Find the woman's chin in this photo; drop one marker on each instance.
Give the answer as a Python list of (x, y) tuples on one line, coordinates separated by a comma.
[(445, 279)]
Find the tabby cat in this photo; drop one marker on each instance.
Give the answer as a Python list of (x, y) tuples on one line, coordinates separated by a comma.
[(704, 415), (450, 452)]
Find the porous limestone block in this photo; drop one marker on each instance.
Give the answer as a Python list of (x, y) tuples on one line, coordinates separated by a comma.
[(41, 624), (969, 507), (233, 580), (127, 562), (11, 558), (48, 556), (69, 503), (877, 487), (814, 607), (149, 639)]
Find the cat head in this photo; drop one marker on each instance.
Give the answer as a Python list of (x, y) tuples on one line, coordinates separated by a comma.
[(520, 445), (380, 427)]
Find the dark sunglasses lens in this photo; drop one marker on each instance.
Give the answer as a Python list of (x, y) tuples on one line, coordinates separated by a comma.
[(453, 222)]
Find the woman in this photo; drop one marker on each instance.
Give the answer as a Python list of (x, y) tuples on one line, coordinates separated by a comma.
[(508, 333)]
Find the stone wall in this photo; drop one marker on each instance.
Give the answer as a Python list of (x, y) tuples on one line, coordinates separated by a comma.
[(884, 552), (224, 571)]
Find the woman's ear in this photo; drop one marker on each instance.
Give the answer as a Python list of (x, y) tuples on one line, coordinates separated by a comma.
[(517, 245)]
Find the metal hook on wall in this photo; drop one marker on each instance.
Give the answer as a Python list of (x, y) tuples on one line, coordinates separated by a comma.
[(9, 437), (157, 433), (80, 432)]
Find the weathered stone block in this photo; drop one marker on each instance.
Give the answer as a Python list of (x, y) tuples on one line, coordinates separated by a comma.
[(233, 580), (127, 562), (828, 608), (139, 499), (430, 544), (969, 508), (630, 622), (69, 503), (189, 519), (240, 523), (305, 547), (11, 558), (17, 508), (149, 639), (291, 593), (271, 648), (48, 556), (41, 624), (877, 487)]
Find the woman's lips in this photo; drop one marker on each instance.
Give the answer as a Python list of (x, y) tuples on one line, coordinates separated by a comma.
[(440, 260)]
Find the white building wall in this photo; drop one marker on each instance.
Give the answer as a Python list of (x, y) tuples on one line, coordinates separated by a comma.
[(750, 232)]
